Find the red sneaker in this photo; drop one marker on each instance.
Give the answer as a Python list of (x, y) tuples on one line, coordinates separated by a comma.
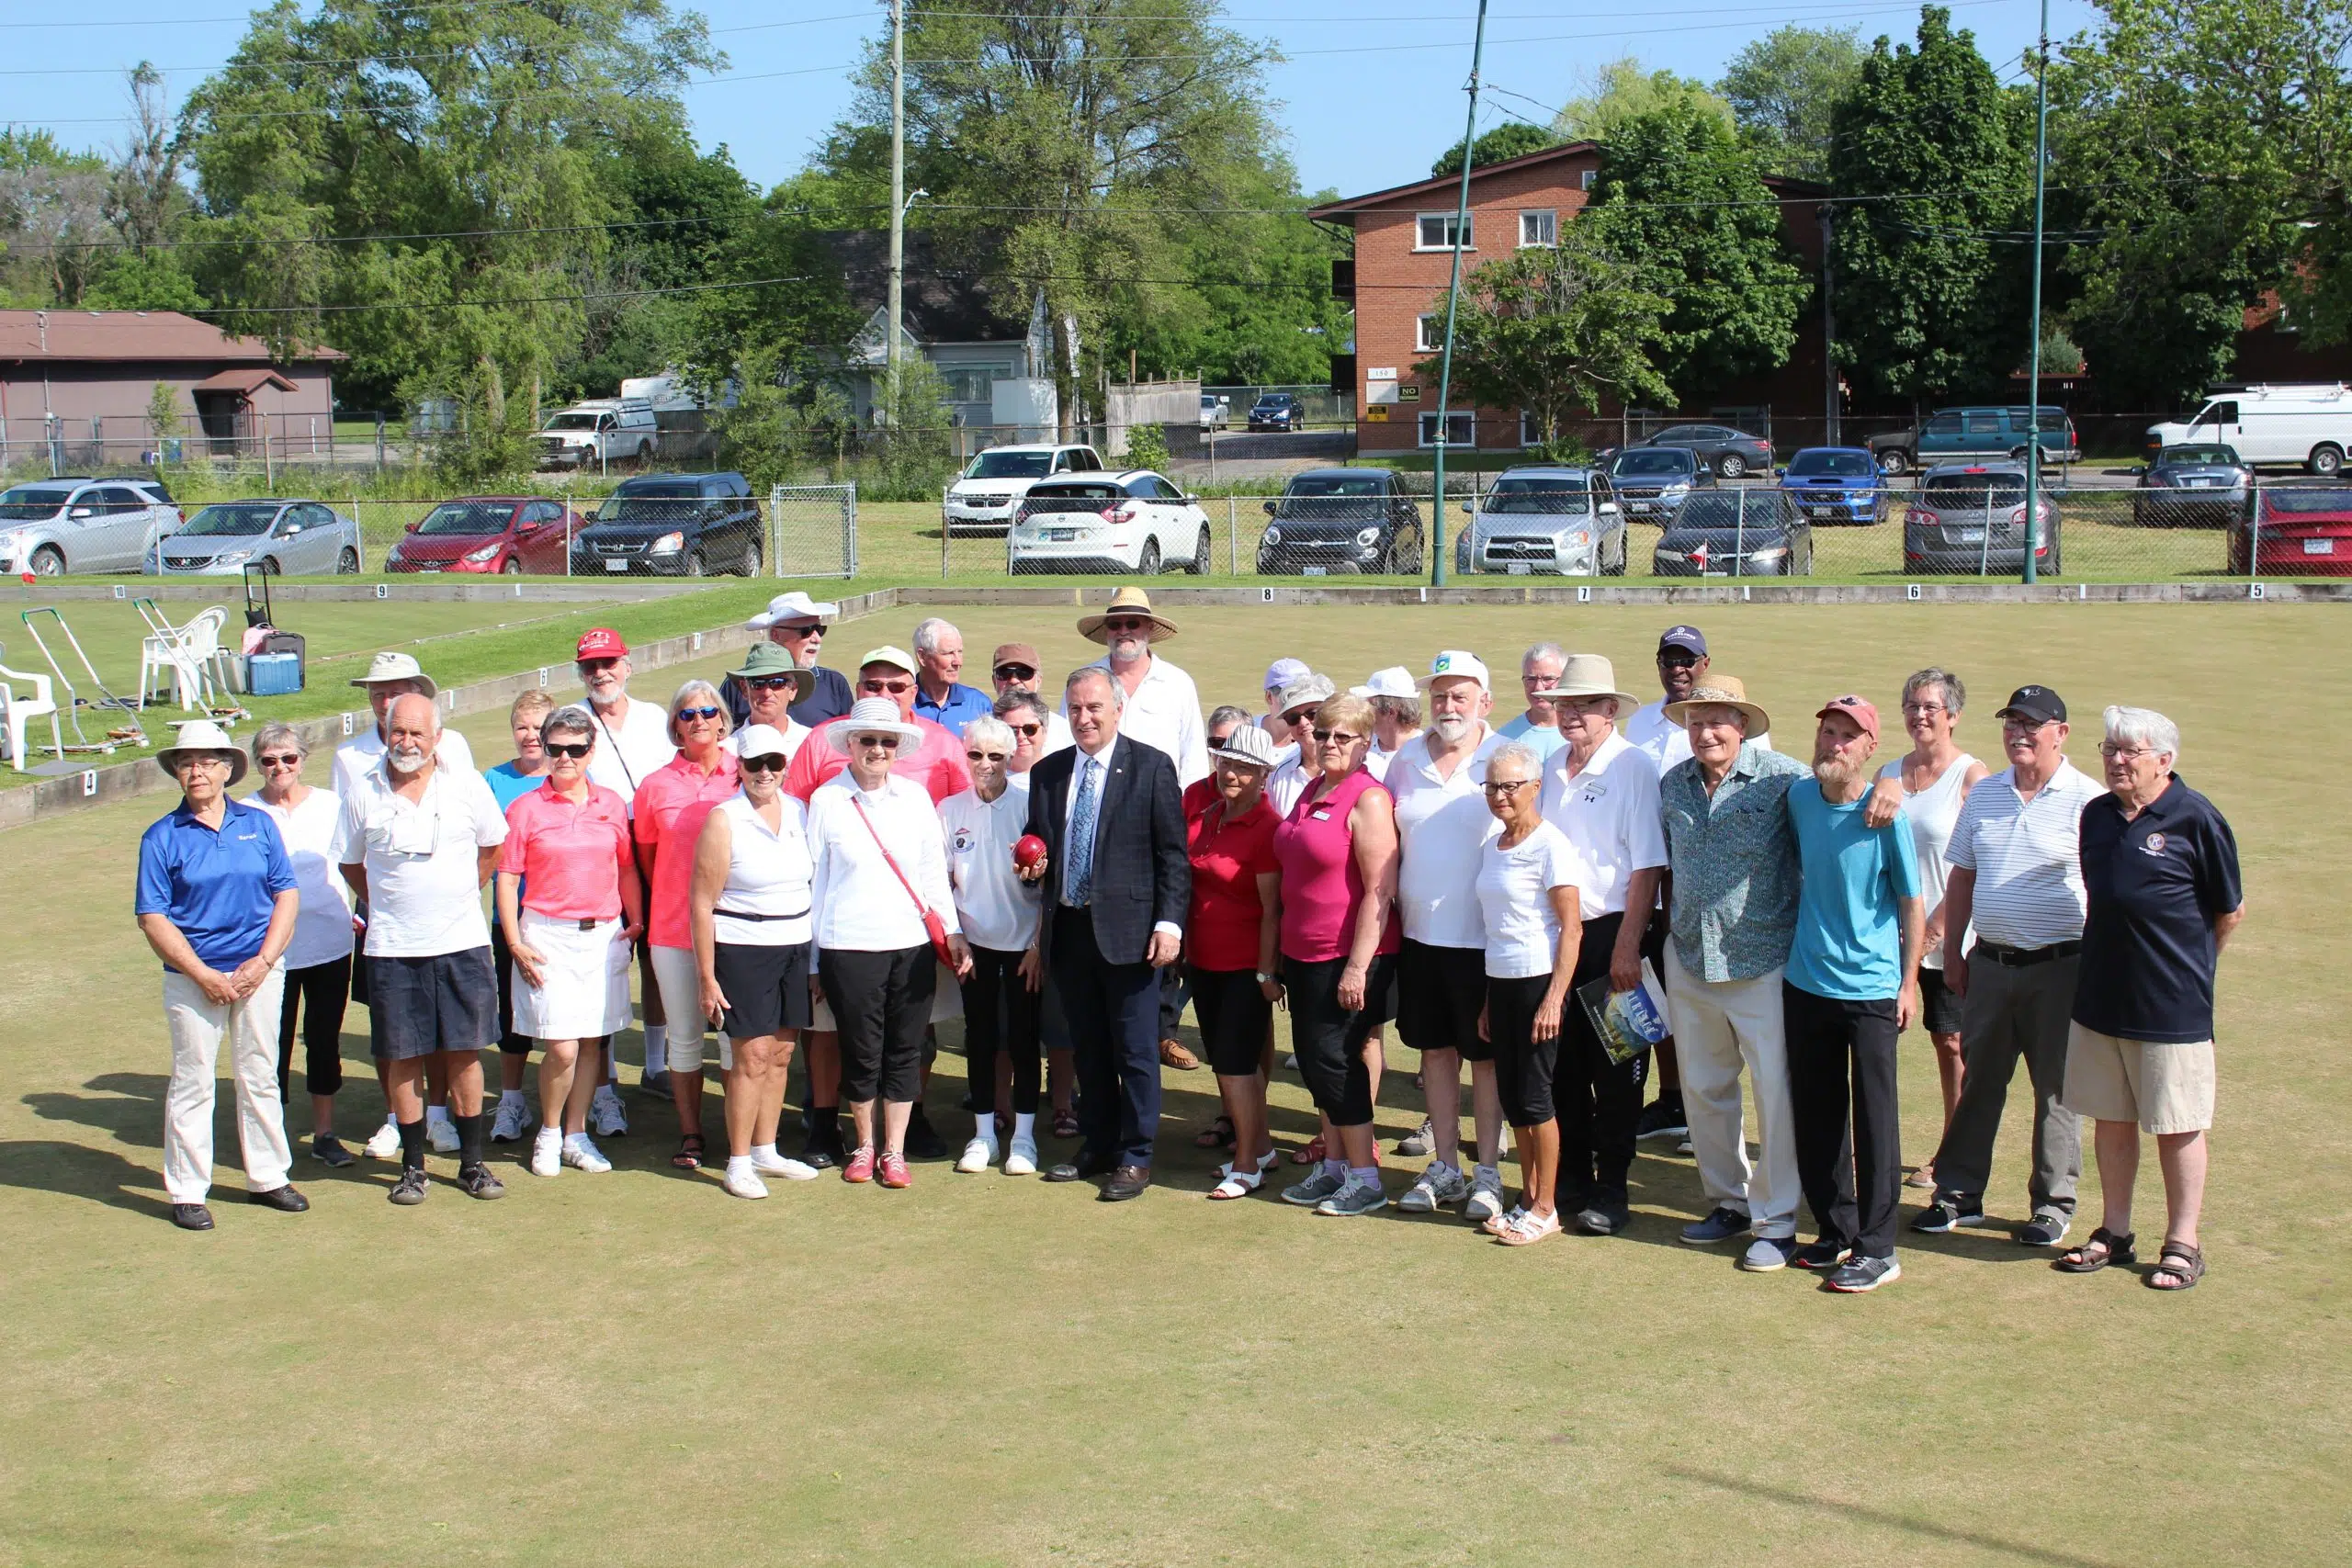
[(860, 1165), (895, 1172)]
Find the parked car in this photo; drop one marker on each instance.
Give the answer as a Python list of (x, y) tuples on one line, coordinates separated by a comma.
[(499, 533), (1970, 518), (2205, 486), (1731, 452), (1278, 411), (1129, 521), (1541, 518), (2310, 425), (295, 538), (982, 499), (1948, 434), (601, 430), (2303, 532), (1754, 532), (1217, 411), (1651, 482), (1330, 520), (77, 524), (674, 525), (1835, 484)]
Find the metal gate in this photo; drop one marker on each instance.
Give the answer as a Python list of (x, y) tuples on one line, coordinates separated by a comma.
[(812, 530)]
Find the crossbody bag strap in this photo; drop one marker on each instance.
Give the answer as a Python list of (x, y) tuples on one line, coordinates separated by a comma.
[(887, 859)]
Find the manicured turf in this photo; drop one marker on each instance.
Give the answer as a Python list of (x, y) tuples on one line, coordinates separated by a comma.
[(636, 1369)]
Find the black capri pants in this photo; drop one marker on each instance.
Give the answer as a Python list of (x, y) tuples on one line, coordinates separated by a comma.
[(1000, 1014), (1524, 1066), (509, 1042), (1234, 1013), (323, 990), (882, 1003), (1329, 1039)]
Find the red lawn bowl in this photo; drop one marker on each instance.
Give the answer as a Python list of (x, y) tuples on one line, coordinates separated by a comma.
[(1029, 850)]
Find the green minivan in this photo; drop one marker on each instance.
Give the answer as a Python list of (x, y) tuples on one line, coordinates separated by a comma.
[(1948, 434)]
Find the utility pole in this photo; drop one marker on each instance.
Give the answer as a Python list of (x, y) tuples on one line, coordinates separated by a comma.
[(2033, 355), (897, 184), (1452, 300), (1829, 340)]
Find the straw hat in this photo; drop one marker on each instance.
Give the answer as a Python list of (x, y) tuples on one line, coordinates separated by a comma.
[(390, 665), (1590, 675), (203, 734), (870, 716), (1720, 691), (1126, 602), (765, 661)]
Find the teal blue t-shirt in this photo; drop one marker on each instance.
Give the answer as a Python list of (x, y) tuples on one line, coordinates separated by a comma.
[(1848, 943), (1543, 741), (508, 786)]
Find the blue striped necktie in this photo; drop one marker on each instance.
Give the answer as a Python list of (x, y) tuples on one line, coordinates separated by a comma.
[(1078, 880)]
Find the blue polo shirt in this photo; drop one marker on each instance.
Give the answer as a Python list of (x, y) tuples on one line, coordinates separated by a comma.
[(2155, 885), (1848, 945), (216, 888), (964, 704)]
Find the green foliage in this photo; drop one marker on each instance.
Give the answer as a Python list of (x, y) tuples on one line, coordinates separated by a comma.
[(128, 280), (1686, 205), (1782, 88), (1512, 139), (2060, 354), (1556, 331), (777, 434), (491, 445), (912, 451), (1147, 447), (1619, 90), (162, 412)]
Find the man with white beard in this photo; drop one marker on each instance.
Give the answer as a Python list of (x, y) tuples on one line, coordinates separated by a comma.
[(1159, 704)]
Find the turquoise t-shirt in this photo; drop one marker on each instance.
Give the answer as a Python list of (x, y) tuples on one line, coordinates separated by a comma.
[(1543, 742), (509, 786), (1848, 943)]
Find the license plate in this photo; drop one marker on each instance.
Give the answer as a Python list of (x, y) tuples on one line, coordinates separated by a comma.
[(1060, 536), (2203, 484), (1315, 571), (616, 566), (1968, 535), (428, 570), (2318, 547), (1518, 569)]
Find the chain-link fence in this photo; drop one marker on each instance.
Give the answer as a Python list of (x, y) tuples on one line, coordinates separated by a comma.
[(812, 530)]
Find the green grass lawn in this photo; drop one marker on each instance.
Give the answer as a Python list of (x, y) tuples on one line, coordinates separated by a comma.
[(635, 1369)]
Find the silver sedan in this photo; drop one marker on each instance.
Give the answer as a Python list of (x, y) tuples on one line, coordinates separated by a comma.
[(295, 538)]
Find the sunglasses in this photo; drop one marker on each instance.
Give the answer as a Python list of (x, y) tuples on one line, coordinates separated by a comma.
[(1027, 728), (1122, 624), (886, 688), (288, 760), (1341, 736), (1015, 672), (597, 666), (568, 748), (771, 764), (1678, 661), (771, 682), (988, 756), (887, 742), (692, 714)]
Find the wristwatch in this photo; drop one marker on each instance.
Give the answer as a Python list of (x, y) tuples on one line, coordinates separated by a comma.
[(1266, 979)]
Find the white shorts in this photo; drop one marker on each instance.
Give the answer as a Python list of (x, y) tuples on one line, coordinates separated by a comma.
[(586, 973), (680, 979)]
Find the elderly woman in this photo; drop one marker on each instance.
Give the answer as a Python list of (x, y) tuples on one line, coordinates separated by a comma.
[(318, 962), (1532, 912), (998, 913), (2160, 869), (1936, 776), (1233, 942), (218, 900), (752, 934), (509, 782), (1395, 715), (672, 805), (880, 884), (1340, 935), (571, 908)]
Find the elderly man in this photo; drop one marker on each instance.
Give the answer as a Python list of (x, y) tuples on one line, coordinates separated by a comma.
[(1731, 895), (939, 695), (1296, 712), (1441, 818), (1118, 881), (2160, 869), (417, 842), (2017, 874), (936, 763), (1539, 727), (795, 622), (217, 901), (632, 745), (1852, 987), (771, 682), (1604, 795), (1015, 667), (1161, 707)]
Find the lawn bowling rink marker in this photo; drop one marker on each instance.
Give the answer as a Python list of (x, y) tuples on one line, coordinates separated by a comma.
[(89, 783), (347, 723), (1911, 591), (120, 592), (383, 590)]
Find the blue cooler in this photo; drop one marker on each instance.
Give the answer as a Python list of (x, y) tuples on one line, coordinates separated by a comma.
[(272, 674)]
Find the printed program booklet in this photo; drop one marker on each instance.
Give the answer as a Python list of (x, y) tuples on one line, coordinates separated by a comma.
[(1628, 1023)]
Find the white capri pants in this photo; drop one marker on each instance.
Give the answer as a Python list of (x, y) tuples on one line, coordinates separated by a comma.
[(680, 980), (586, 993), (198, 1025)]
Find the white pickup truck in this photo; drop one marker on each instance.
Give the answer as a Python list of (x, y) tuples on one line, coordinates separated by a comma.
[(599, 430)]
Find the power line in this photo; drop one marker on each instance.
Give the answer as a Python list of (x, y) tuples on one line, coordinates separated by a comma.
[(581, 298)]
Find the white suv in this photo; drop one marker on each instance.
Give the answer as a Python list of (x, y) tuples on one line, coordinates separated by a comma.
[(53, 527), (1134, 522), (985, 496)]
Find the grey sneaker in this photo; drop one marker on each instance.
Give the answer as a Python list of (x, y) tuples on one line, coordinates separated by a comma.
[(514, 1119), (1858, 1274), (409, 1190), (1319, 1185), (606, 1116), (1766, 1254), (1419, 1143), (1486, 1196), (1438, 1186), (1722, 1224), (1355, 1197), (1948, 1214), (2045, 1230)]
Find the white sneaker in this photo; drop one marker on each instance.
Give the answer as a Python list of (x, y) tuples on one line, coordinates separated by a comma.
[(1486, 1196), (514, 1119), (745, 1184), (582, 1154), (771, 1164), (441, 1132), (979, 1155), (547, 1152), (1438, 1186), (385, 1144), (606, 1118), (1022, 1159)]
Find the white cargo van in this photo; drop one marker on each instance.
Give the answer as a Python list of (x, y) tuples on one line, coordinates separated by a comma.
[(599, 430), (2308, 425)]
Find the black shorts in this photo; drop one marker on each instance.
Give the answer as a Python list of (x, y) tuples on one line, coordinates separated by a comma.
[(1938, 1008), (766, 988), (1524, 1066), (421, 1006), (1439, 993), (510, 1042), (1234, 1016)]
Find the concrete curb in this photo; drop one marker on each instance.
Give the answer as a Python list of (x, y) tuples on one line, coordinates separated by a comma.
[(426, 586)]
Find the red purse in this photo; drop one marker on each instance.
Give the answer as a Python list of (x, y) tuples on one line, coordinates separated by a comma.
[(933, 926)]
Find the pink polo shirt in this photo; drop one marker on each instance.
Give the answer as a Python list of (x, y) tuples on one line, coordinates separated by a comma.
[(670, 805), (937, 764), (568, 854)]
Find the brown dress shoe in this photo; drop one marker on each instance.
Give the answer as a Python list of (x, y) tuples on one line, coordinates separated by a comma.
[(1173, 1054), (1128, 1181)]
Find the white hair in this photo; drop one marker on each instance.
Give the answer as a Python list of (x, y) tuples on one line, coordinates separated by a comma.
[(1550, 650), (1519, 752), (928, 631), (1096, 673), (989, 732), (2143, 726)]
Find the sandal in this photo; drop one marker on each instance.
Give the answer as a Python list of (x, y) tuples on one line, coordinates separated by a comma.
[(1527, 1229), (2180, 1261), (2111, 1248), (1218, 1135), (689, 1154), (1310, 1154), (1065, 1123), (1236, 1184)]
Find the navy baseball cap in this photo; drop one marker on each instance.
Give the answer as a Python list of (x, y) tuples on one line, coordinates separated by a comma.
[(1689, 639), (2038, 704)]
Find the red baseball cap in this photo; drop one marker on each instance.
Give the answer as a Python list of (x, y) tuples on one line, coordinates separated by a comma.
[(600, 642), (1860, 710)]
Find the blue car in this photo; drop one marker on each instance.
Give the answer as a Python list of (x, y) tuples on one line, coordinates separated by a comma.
[(1835, 484)]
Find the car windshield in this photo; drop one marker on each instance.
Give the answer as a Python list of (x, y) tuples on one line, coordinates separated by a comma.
[(1009, 466), (1276, 401), (468, 517), (236, 517), (1335, 484), (25, 503), (656, 507), (2286, 498), (1730, 510), (1832, 464), (2199, 456), (1653, 460), (1537, 495), (1975, 490), (572, 422)]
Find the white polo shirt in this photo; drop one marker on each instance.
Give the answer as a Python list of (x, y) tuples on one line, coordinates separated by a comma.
[(424, 881), (1609, 814), (1665, 742), (1164, 710), (999, 911), (1441, 822), (1287, 782), (361, 754), (631, 751), (2027, 855)]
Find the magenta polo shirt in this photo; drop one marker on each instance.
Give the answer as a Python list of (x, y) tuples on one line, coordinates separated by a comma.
[(568, 854)]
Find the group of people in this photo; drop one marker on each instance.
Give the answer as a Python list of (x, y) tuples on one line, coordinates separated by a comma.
[(801, 860)]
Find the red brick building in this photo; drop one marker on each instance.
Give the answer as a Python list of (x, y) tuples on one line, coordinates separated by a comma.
[(1398, 282)]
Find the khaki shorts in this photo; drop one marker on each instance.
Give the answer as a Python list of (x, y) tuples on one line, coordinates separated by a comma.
[(2165, 1089)]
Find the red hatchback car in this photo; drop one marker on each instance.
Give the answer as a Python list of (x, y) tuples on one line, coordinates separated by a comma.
[(2303, 532), (509, 533)]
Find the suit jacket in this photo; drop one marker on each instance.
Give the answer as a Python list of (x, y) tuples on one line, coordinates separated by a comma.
[(1142, 873)]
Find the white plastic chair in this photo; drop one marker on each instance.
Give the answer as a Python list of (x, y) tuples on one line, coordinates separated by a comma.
[(191, 655), (20, 711)]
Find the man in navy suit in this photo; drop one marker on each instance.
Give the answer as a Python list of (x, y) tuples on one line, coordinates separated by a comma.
[(1118, 881)]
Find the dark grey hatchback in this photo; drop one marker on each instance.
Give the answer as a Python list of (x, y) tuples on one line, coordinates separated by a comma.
[(1736, 533)]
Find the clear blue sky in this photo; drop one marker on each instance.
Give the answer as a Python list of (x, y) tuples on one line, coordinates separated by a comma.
[(1370, 91)]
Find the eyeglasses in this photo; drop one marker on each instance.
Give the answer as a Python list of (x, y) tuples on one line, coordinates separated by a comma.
[(1341, 736), (887, 742), (771, 682), (1507, 788), (203, 760), (810, 628), (1918, 709), (988, 756), (1015, 672), (592, 667), (2024, 726), (288, 760), (1027, 728), (695, 715), (568, 748), (1298, 716), (2112, 752), (771, 764), (886, 688)]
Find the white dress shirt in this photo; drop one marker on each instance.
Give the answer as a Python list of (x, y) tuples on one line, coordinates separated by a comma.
[(1609, 814), (1441, 823), (424, 876), (1164, 710)]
